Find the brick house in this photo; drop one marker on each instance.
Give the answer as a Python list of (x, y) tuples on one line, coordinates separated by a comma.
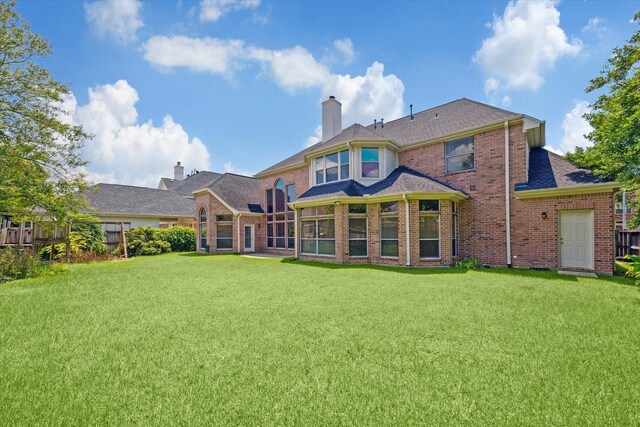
[(463, 179)]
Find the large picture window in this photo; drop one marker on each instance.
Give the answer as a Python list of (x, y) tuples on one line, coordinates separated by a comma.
[(459, 155), (318, 234), (332, 167), (370, 162), (202, 228), (358, 230), (429, 229), (389, 229), (224, 232), (280, 217)]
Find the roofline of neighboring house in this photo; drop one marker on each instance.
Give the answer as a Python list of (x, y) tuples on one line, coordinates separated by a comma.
[(137, 215), (454, 196), (226, 205), (519, 118), (604, 187)]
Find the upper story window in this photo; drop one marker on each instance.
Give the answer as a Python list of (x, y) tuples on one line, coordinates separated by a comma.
[(459, 155), (332, 167), (370, 163)]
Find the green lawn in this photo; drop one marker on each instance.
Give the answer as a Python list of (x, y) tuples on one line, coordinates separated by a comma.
[(226, 340)]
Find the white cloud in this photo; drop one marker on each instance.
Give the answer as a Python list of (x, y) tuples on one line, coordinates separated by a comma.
[(315, 138), (575, 127), (229, 168), (506, 100), (205, 54), (527, 41), (363, 98), (345, 48), (491, 85), (115, 18), (368, 97), (125, 151), (212, 10), (596, 25), (292, 68)]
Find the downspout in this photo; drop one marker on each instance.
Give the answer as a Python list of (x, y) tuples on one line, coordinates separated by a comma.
[(295, 231), (407, 233), (239, 215), (507, 185)]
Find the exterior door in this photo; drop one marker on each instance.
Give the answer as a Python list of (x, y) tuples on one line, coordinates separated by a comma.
[(249, 238), (576, 239)]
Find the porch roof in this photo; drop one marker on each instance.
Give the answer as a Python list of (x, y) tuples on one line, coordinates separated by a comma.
[(403, 181)]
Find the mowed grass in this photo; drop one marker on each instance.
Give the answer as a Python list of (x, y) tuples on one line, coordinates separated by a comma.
[(227, 340)]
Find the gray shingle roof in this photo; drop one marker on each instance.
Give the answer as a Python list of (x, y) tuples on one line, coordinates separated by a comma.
[(438, 122), (240, 192), (187, 186), (401, 180), (549, 170), (130, 200)]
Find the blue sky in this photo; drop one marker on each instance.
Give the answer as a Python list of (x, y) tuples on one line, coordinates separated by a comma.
[(236, 85)]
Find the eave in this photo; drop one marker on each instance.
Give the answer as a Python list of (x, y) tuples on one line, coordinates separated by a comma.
[(606, 187), (454, 196)]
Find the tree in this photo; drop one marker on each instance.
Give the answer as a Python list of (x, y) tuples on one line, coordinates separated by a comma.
[(39, 149), (615, 118)]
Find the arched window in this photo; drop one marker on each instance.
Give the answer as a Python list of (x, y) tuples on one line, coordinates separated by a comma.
[(280, 218), (202, 228)]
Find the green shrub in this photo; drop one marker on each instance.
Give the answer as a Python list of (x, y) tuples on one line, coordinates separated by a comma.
[(633, 270), (146, 241), (181, 239), (19, 263), (471, 263)]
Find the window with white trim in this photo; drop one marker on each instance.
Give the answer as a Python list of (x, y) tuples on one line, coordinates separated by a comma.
[(317, 230), (370, 162), (332, 167), (358, 242), (389, 229), (429, 228), (459, 155)]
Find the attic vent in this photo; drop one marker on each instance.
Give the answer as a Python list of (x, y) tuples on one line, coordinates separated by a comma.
[(436, 116)]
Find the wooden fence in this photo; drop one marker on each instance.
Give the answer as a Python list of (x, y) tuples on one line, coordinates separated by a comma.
[(627, 243)]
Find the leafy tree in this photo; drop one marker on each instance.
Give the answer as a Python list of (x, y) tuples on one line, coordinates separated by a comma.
[(39, 150), (615, 118)]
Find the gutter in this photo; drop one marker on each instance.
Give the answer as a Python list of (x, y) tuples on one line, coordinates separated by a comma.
[(407, 233), (507, 191)]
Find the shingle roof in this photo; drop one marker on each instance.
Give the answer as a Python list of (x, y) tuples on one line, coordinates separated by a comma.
[(187, 186), (438, 122), (130, 200), (549, 170), (402, 180), (240, 192)]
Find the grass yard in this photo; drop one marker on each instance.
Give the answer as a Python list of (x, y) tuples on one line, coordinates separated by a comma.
[(227, 340)]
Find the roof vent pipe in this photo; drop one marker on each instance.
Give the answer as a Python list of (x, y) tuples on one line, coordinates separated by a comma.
[(382, 123), (411, 107), (375, 123)]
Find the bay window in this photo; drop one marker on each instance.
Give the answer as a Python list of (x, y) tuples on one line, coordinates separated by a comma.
[(358, 229), (332, 167), (370, 162), (317, 231), (389, 229), (429, 228)]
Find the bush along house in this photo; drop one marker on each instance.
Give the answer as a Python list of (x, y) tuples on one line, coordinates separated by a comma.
[(463, 179)]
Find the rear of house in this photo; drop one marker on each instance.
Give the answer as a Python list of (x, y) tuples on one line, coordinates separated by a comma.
[(463, 179)]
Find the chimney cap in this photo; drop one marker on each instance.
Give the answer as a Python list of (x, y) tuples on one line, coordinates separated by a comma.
[(332, 97), (178, 164)]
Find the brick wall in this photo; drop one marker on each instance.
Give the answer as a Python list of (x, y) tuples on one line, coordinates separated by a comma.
[(534, 241)]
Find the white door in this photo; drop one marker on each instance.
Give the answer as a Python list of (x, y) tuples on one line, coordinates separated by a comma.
[(576, 239), (248, 238)]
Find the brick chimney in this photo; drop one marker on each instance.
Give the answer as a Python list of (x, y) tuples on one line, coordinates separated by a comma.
[(331, 118), (178, 172)]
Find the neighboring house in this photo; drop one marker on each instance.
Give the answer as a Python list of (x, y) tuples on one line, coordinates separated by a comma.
[(125, 205), (463, 179)]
